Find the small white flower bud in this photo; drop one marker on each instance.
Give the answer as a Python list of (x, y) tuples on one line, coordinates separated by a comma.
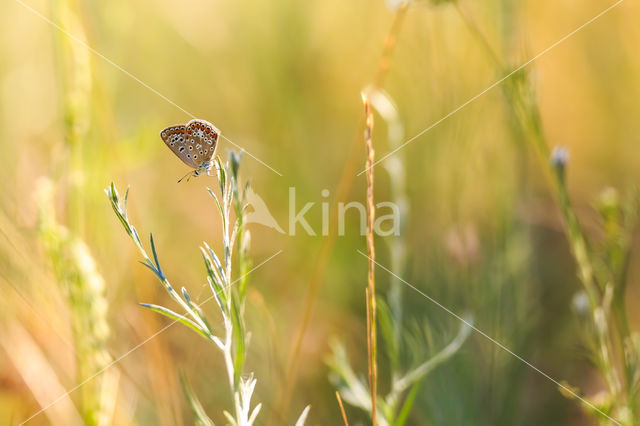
[(560, 158)]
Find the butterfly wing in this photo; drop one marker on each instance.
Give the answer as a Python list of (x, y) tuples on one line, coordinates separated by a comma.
[(176, 139), (201, 140)]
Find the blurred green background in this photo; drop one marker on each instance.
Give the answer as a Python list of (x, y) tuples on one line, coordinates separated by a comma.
[(282, 79)]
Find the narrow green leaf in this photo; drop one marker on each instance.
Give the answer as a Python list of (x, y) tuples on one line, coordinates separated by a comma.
[(175, 316), (151, 267), (215, 281), (234, 233), (222, 175), (214, 263), (408, 404), (155, 257), (254, 413), (303, 416), (230, 418), (197, 310), (216, 295), (386, 321), (233, 160), (126, 200), (112, 193), (215, 197), (185, 294), (238, 332), (246, 187), (427, 366), (196, 407)]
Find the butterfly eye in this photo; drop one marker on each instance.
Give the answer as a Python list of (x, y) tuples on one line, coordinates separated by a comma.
[(191, 148)]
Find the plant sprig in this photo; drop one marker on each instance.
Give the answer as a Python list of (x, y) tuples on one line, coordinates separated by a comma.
[(231, 339)]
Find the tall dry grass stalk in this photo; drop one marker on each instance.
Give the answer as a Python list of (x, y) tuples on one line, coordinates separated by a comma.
[(372, 339), (397, 246), (73, 264), (73, 63), (344, 414), (394, 407), (389, 46), (78, 277), (342, 192)]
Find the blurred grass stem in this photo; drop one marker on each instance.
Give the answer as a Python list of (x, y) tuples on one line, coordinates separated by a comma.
[(342, 192), (610, 330), (372, 340)]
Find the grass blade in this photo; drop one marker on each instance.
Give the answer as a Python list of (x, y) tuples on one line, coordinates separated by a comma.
[(177, 317)]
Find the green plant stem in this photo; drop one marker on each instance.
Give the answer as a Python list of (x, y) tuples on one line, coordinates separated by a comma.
[(581, 254), (473, 28), (576, 239), (526, 110), (230, 298)]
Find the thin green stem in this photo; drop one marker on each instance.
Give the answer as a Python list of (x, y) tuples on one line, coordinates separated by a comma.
[(609, 324), (230, 298)]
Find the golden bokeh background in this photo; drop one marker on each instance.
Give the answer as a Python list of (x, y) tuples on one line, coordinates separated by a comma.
[(282, 80)]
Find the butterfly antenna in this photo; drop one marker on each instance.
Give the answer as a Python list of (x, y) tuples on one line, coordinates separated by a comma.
[(188, 175)]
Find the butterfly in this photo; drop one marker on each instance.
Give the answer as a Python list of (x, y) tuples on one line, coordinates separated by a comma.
[(194, 143)]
